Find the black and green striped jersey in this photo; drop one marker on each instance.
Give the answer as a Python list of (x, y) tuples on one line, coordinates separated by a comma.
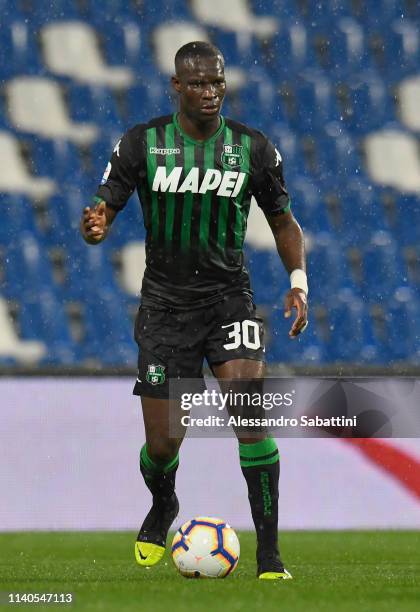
[(195, 198)]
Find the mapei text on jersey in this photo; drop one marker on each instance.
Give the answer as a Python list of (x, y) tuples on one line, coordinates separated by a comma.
[(228, 183)]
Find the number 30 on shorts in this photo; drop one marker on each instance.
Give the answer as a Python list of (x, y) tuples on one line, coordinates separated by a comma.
[(243, 332)]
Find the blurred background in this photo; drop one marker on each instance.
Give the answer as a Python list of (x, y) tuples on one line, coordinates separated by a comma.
[(334, 84)]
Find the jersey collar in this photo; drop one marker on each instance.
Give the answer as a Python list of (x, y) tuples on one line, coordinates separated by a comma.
[(199, 142)]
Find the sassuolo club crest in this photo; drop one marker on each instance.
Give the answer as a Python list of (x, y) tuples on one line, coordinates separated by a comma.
[(155, 374), (232, 155)]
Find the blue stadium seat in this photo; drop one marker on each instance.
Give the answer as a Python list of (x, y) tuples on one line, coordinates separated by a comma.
[(42, 317), (407, 231), (307, 349), (20, 46), (403, 324), (257, 99), (361, 214), (124, 43), (80, 103), (289, 147), (290, 52), (56, 158), (27, 265), (338, 157), (315, 104), (267, 277), (347, 339), (154, 13), (327, 267), (108, 329), (383, 269), (60, 10), (145, 101), (347, 52), (378, 14), (17, 218), (65, 211), (109, 14), (283, 9), (106, 109), (308, 204), (369, 106), (89, 268), (238, 50), (128, 225), (402, 49)]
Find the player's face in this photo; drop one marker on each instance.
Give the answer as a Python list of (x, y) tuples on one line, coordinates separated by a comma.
[(201, 87)]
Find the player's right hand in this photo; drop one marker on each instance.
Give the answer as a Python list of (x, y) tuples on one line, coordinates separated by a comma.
[(94, 223)]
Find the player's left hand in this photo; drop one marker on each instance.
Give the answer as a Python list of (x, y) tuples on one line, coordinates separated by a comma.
[(296, 298)]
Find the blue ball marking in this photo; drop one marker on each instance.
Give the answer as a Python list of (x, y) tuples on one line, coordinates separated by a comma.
[(181, 542), (220, 549)]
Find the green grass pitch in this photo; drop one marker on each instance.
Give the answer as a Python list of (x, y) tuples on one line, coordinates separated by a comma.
[(333, 571)]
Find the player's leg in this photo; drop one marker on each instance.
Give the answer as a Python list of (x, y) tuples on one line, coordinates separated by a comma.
[(235, 351), (169, 348), (259, 459), (158, 465)]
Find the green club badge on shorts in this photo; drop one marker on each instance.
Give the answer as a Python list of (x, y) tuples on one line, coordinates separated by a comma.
[(155, 374), (232, 155)]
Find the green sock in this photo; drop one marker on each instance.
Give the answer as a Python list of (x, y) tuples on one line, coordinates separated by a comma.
[(159, 478), (261, 469), (263, 452), (150, 465)]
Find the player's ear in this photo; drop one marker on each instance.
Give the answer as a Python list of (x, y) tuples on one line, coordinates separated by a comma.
[(176, 83)]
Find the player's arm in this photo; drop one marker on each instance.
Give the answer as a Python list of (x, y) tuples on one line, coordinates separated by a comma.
[(117, 185), (270, 191), (291, 248)]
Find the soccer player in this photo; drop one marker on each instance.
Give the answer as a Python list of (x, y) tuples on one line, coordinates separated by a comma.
[(195, 172)]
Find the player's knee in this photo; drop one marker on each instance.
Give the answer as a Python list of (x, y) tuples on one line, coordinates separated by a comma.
[(162, 451)]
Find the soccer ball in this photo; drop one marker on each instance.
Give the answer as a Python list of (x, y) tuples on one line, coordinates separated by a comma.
[(205, 547)]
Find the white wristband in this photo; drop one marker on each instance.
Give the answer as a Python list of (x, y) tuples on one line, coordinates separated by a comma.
[(299, 280)]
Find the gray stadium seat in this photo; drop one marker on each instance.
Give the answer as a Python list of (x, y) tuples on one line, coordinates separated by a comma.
[(14, 175), (24, 351), (71, 49), (36, 105), (392, 159)]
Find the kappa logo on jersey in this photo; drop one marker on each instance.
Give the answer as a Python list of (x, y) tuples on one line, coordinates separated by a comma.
[(155, 374), (278, 157), (232, 155), (157, 151), (117, 148), (228, 184), (106, 173)]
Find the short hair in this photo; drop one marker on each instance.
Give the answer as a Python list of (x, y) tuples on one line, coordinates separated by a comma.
[(193, 49)]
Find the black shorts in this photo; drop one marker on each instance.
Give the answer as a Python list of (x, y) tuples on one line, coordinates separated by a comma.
[(173, 344)]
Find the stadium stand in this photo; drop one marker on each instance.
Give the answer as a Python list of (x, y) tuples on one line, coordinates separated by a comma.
[(11, 346), (14, 174), (71, 49), (169, 37), (234, 15), (334, 84), (409, 96), (393, 159), (36, 105)]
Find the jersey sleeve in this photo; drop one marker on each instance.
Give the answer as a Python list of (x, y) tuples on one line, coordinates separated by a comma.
[(122, 172), (268, 185)]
